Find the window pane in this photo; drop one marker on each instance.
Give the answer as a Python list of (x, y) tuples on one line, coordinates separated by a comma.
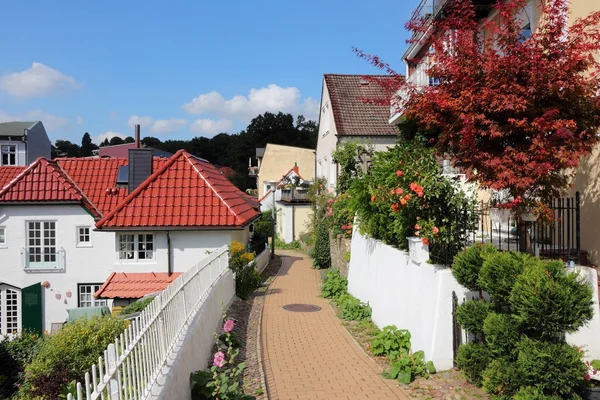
[(12, 312), (2, 236)]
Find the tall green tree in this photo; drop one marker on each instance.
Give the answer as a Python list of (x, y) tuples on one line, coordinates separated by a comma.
[(87, 146)]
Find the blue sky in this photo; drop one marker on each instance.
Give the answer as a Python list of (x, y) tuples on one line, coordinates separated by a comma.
[(182, 68)]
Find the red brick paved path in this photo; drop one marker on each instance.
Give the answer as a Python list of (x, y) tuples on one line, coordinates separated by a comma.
[(311, 355)]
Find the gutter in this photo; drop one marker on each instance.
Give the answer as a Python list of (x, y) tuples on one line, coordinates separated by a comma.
[(169, 265)]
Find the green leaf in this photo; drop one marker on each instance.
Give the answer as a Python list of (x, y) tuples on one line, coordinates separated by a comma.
[(430, 367), (404, 377)]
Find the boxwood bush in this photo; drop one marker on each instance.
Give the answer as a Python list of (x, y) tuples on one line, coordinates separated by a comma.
[(68, 354), (520, 350)]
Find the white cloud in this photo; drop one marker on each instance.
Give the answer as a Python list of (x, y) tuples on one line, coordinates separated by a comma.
[(107, 135), (51, 122), (37, 81), (210, 127), (143, 122), (79, 120), (168, 125), (272, 98)]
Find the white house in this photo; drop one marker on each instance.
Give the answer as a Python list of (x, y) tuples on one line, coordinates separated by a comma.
[(289, 199), (21, 143), (349, 112), (66, 225)]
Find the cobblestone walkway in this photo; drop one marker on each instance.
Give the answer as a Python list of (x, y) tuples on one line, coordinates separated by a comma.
[(310, 355)]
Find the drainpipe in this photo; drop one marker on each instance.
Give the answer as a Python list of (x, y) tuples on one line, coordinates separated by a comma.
[(24, 140), (293, 221), (169, 266)]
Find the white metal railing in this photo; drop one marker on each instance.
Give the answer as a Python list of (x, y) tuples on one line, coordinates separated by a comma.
[(132, 364), (53, 261)]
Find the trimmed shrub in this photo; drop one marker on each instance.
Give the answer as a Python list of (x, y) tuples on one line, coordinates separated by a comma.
[(499, 273), (468, 263), (321, 253), (548, 302), (555, 368), (473, 359), (533, 393), (334, 285), (68, 354), (471, 314), (501, 334), (501, 378), (137, 306)]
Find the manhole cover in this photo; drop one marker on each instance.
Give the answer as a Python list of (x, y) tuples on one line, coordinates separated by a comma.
[(301, 307)]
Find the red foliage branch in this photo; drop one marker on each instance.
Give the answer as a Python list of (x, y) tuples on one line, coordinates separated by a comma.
[(514, 113)]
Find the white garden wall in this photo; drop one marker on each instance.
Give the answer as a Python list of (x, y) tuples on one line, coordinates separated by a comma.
[(262, 260), (418, 297)]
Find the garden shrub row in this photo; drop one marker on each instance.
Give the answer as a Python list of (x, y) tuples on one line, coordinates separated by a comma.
[(241, 262), (518, 347), (335, 287)]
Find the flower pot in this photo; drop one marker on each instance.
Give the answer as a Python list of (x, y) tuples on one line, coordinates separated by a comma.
[(529, 216), (417, 250)]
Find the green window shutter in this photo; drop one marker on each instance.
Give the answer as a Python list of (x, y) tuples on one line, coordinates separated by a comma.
[(31, 308)]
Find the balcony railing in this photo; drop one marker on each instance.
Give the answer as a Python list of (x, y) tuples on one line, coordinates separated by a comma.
[(294, 195), (252, 171), (54, 261)]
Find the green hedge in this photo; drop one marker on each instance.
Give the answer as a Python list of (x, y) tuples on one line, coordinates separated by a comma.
[(68, 354)]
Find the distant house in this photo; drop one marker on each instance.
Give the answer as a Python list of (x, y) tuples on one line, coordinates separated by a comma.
[(289, 199), (274, 162), (349, 113), (66, 225), (23, 142)]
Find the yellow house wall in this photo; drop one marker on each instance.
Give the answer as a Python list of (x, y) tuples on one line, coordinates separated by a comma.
[(278, 160), (302, 219)]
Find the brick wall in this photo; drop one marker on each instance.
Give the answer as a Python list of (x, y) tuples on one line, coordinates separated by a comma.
[(339, 246)]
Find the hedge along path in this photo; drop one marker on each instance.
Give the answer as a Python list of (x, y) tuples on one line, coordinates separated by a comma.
[(311, 355)]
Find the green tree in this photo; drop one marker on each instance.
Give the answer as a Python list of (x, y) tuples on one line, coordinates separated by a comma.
[(115, 140), (87, 146)]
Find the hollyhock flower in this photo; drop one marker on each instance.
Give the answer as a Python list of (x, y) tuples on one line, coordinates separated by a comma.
[(330, 201), (435, 230), (228, 325), (399, 173), (587, 377), (417, 227), (399, 191), (219, 359), (425, 241)]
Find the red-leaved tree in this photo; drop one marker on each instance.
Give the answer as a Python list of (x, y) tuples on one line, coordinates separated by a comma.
[(513, 112)]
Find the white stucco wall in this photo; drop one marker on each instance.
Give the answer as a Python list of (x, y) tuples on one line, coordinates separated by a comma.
[(192, 352), (326, 140), (91, 265), (21, 150), (418, 297)]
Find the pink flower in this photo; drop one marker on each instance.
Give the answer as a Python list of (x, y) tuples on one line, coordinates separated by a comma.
[(399, 173), (330, 201), (417, 227), (399, 191), (219, 359), (228, 325), (587, 377), (435, 230)]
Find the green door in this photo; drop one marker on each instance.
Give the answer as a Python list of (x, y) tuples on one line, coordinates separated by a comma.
[(31, 305)]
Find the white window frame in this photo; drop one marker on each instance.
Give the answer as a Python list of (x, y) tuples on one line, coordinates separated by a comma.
[(79, 235), (3, 237), (6, 330), (42, 245), (6, 149), (91, 288), (136, 245)]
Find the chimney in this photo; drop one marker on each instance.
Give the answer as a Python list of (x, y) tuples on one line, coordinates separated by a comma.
[(137, 136), (140, 167)]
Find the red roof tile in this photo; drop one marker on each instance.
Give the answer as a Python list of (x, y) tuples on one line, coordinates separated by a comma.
[(125, 285), (7, 174), (354, 111), (44, 181), (184, 192)]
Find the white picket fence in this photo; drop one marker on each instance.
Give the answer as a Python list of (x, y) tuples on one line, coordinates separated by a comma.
[(132, 364)]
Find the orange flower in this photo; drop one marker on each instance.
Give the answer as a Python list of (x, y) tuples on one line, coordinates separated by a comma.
[(407, 197), (417, 227), (373, 198), (403, 202), (395, 207), (435, 230), (399, 173), (392, 191), (425, 241), (420, 193), (399, 191)]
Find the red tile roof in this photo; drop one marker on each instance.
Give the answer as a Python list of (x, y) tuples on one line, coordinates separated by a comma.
[(7, 174), (125, 285), (354, 111), (184, 192), (228, 172), (44, 181)]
